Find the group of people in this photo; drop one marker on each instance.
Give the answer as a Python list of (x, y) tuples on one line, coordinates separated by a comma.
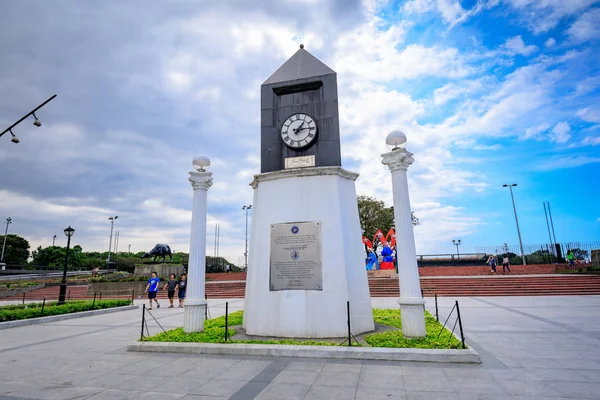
[(492, 263), (171, 286)]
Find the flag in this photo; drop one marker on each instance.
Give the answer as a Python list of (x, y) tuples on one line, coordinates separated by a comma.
[(367, 242), (379, 235), (391, 237)]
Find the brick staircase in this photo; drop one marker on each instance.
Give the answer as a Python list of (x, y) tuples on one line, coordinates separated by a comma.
[(520, 285), (532, 285)]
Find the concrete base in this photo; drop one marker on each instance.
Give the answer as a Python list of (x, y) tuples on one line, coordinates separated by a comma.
[(412, 313), (194, 315), (338, 352), (163, 270), (62, 317), (382, 273), (320, 194)]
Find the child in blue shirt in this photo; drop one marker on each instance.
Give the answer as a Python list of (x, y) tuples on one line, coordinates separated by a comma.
[(152, 289)]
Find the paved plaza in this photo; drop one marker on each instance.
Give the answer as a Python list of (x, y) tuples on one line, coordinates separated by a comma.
[(531, 347)]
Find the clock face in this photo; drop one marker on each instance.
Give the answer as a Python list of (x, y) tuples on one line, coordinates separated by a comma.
[(299, 131)]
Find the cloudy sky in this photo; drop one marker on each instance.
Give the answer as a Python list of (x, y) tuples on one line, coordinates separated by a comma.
[(488, 92)]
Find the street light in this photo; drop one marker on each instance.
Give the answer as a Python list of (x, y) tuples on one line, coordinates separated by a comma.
[(456, 243), (249, 207), (53, 240), (112, 223), (36, 121), (63, 286), (8, 222), (516, 220)]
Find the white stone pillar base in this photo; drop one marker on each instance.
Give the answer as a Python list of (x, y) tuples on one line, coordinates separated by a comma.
[(193, 316), (412, 313)]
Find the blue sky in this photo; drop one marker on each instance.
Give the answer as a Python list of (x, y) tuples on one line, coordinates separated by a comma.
[(488, 92)]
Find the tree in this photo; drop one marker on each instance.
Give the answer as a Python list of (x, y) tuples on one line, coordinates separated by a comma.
[(54, 257), (374, 215), (16, 251)]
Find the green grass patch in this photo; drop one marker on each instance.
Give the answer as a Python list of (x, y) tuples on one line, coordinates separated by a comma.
[(214, 332), (15, 312), (437, 337)]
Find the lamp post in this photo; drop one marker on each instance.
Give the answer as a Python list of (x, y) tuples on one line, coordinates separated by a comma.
[(248, 207), (36, 121), (516, 220), (456, 243), (53, 240), (8, 222), (112, 223), (63, 285), (411, 301)]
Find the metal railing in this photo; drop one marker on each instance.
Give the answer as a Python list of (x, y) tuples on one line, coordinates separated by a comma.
[(34, 275), (458, 321)]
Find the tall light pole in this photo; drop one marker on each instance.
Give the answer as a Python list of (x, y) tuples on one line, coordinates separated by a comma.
[(8, 222), (129, 251), (248, 207), (36, 121), (63, 285), (112, 223), (516, 220), (53, 240), (456, 243)]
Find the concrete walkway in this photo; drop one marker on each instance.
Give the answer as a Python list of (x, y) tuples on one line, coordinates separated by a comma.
[(532, 348)]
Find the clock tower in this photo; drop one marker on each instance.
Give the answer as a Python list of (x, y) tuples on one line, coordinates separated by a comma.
[(306, 266), (299, 114)]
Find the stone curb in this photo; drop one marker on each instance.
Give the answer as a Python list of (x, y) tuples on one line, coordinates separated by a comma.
[(342, 352), (62, 317)]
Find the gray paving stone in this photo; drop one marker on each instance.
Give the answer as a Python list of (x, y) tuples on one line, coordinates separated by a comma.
[(580, 390), (381, 381), (296, 376), (116, 394), (307, 365), (289, 391), (330, 393), (159, 396), (561, 375), (426, 395), (71, 393), (434, 384), (364, 393), (529, 388), (381, 369), (219, 387), (337, 379), (342, 368), (478, 385), (484, 396)]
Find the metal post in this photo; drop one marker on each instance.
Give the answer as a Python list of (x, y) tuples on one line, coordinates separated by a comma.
[(53, 240), (63, 285), (551, 223), (69, 296), (94, 302), (218, 237), (23, 297), (548, 226), (8, 222), (226, 319), (349, 331), (248, 207), (206, 307), (43, 305), (112, 223), (132, 295), (437, 317), (517, 221), (100, 296), (143, 320), (462, 336)]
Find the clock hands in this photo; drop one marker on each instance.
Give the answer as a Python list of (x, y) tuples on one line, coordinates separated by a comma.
[(299, 127)]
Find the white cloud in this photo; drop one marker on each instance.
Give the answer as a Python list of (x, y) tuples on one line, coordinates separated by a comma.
[(586, 27), (589, 115), (561, 133), (515, 45), (591, 141), (550, 43), (555, 163), (543, 15), (535, 132), (587, 85)]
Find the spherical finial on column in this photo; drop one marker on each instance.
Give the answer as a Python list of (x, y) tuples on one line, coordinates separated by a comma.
[(301, 46), (396, 139), (201, 163)]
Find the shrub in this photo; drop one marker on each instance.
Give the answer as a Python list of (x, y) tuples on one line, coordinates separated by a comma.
[(33, 310)]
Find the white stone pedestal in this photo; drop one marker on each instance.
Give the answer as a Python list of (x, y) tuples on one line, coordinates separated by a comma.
[(320, 194), (412, 303), (195, 303)]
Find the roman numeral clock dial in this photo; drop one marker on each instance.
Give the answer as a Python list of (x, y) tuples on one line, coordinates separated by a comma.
[(299, 131)]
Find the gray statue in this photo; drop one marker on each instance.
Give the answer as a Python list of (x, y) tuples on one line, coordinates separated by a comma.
[(160, 250)]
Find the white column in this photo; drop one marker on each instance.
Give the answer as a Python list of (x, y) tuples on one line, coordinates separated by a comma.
[(195, 303), (412, 303)]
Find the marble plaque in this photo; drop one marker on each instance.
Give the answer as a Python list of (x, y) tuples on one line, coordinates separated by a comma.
[(296, 256), (299, 162)]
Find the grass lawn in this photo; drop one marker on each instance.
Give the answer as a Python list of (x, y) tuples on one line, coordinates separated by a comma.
[(214, 332), (15, 312)]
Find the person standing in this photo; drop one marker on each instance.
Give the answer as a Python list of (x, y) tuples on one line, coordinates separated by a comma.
[(505, 265), (152, 289), (172, 285), (570, 258), (492, 262), (182, 286)]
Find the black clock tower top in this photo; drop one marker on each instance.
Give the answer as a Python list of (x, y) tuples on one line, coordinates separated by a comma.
[(302, 85)]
